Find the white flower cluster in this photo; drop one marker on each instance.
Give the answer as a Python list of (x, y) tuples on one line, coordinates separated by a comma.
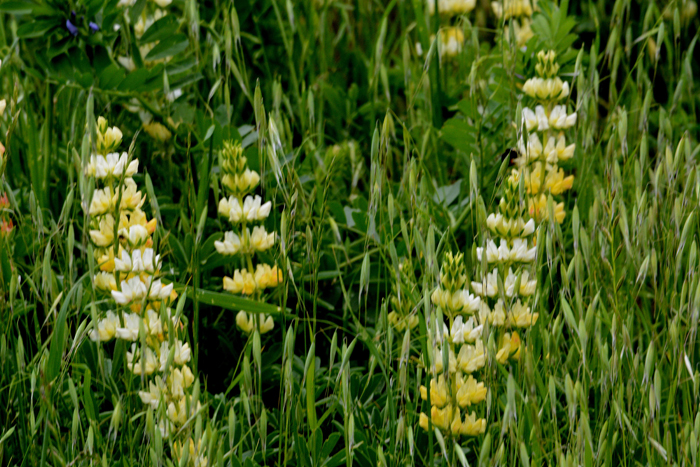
[(451, 7), (241, 208), (129, 275), (557, 118), (519, 11), (252, 209), (111, 166), (546, 88), (454, 299), (259, 240), (519, 252), (508, 292), (545, 145)]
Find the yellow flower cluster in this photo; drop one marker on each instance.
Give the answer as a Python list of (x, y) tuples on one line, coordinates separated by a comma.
[(543, 144), (191, 454), (129, 274), (520, 11), (507, 272), (451, 7), (451, 41), (451, 37), (454, 388), (241, 208)]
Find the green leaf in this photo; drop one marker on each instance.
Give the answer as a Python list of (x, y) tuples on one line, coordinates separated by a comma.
[(460, 134), (169, 47), (160, 30), (35, 28), (232, 302), (17, 8)]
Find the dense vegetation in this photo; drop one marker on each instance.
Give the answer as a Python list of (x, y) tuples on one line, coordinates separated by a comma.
[(348, 232)]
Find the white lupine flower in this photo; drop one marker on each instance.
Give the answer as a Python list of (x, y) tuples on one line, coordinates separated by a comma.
[(151, 261), (182, 353), (163, 352), (132, 290), (451, 42), (520, 316), (105, 235), (163, 3), (254, 210), (528, 151), (542, 121), (471, 357), (528, 228), (111, 165), (146, 365), (529, 119), (101, 202), (176, 383), (470, 303), (492, 254), (460, 301), (231, 208), (464, 331), (178, 413), (137, 235), (260, 240), (158, 291), (520, 251), (130, 331), (152, 323), (106, 328), (490, 285), (105, 281), (452, 361), (509, 227), (470, 332), (546, 88), (564, 152), (230, 246), (498, 316), (527, 287), (153, 395), (452, 7), (503, 251), (559, 120), (550, 150), (244, 322), (124, 263), (266, 324), (484, 312), (130, 196), (3, 104)]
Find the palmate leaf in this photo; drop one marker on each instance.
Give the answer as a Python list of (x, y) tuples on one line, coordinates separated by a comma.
[(553, 27)]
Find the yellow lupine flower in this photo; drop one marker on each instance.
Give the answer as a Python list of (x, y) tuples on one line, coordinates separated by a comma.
[(470, 391)]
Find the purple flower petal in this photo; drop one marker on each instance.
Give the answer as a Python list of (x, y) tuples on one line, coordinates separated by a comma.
[(71, 27)]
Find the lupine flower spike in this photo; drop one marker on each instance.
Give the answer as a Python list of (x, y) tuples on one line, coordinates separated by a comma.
[(243, 209), (129, 276), (453, 388), (543, 145), (508, 279), (520, 12)]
